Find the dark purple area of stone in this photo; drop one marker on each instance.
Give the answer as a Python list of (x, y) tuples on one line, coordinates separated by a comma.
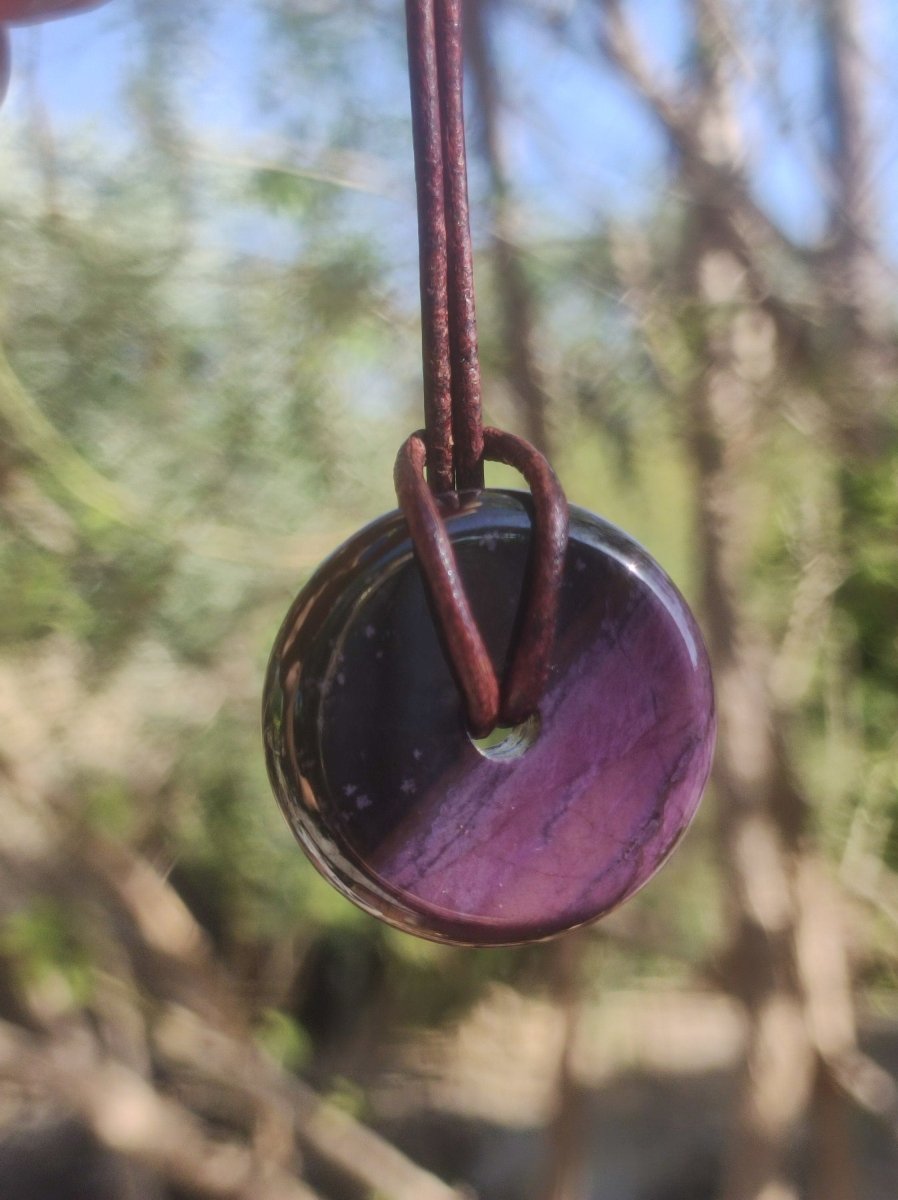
[(371, 762)]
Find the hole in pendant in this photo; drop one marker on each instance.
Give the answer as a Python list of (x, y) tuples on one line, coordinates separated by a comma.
[(507, 742)]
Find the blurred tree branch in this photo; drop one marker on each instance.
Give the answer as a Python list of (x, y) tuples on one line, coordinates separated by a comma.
[(199, 1021), (168, 931), (129, 1116), (709, 164), (788, 960)]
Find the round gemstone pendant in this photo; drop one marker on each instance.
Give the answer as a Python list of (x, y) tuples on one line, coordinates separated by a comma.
[(533, 831)]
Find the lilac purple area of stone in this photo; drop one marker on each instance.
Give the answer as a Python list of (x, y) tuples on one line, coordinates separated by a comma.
[(371, 761)]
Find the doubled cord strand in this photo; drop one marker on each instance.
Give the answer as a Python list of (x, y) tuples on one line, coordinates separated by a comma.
[(453, 445), (452, 404)]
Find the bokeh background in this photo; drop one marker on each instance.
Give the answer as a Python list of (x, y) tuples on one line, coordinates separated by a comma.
[(686, 248)]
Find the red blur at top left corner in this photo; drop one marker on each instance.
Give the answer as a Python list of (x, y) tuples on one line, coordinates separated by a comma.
[(28, 12)]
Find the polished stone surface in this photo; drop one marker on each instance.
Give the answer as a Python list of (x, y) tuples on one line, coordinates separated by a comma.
[(371, 762)]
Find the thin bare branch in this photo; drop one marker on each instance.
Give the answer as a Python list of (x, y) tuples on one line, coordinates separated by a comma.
[(618, 40), (339, 169), (719, 177)]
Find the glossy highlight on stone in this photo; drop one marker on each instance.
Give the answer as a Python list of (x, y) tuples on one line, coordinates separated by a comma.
[(374, 769)]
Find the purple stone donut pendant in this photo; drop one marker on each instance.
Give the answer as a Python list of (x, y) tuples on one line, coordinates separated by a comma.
[(404, 813)]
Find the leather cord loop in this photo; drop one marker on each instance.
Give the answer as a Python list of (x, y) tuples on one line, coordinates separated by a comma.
[(518, 698), (528, 669)]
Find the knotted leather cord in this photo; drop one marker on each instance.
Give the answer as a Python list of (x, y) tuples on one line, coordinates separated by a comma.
[(454, 443)]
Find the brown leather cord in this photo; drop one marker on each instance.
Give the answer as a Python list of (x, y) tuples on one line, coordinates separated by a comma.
[(430, 184), (452, 404), (468, 656), (528, 667), (467, 422), (454, 443)]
